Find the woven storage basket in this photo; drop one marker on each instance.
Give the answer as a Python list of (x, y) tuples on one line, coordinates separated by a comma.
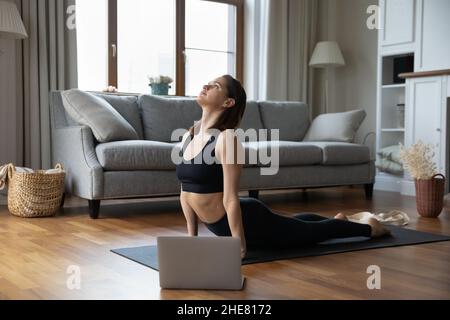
[(37, 194), (430, 196)]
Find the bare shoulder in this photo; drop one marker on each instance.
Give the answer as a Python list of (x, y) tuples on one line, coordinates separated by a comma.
[(227, 140), (227, 134)]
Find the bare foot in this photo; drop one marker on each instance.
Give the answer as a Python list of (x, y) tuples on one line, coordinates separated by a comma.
[(341, 216), (378, 230)]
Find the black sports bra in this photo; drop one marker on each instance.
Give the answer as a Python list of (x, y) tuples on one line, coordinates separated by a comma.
[(199, 177)]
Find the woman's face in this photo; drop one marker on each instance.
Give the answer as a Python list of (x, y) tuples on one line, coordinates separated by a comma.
[(214, 94)]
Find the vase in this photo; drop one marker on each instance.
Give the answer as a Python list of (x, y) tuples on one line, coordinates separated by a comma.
[(430, 196), (160, 89)]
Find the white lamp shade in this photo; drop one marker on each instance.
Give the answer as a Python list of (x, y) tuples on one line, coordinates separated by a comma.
[(327, 54), (11, 25)]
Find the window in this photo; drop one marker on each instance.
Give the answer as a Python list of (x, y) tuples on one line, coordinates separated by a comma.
[(121, 42), (140, 25), (92, 42), (210, 43)]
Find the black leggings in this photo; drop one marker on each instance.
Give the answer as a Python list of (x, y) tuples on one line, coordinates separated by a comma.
[(263, 227)]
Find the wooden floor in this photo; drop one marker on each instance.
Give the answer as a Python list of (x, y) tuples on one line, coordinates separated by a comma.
[(35, 254)]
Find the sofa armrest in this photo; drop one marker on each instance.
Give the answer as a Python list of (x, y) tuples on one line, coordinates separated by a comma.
[(74, 148), (371, 146)]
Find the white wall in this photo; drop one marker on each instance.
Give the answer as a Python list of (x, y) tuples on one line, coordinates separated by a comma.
[(353, 86)]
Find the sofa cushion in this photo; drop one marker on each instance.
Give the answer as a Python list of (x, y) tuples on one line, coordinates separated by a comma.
[(290, 153), (291, 118), (106, 123), (342, 153), (340, 126), (146, 155), (135, 155), (252, 117), (161, 116), (128, 108)]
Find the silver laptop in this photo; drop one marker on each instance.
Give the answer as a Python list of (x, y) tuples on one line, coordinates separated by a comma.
[(200, 263)]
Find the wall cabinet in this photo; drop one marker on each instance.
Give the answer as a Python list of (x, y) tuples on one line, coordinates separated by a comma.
[(391, 124), (434, 37), (418, 28), (398, 20), (427, 120)]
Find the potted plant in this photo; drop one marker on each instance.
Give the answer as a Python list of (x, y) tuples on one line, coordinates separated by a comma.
[(429, 188), (160, 85)]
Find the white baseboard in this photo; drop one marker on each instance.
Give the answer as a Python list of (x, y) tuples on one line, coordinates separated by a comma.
[(408, 188), (387, 183)]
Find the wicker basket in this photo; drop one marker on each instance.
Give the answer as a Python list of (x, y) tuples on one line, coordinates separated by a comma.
[(430, 196), (37, 194)]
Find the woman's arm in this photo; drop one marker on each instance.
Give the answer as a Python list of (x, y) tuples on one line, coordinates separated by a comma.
[(231, 176), (190, 215), (235, 220)]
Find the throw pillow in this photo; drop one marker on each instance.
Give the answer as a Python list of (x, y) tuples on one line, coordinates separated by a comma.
[(106, 123), (391, 153), (340, 126), (128, 108), (389, 166)]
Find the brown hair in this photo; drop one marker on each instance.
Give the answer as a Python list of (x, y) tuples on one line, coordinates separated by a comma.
[(231, 117)]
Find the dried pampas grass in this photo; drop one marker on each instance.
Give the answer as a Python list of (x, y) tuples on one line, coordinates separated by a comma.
[(418, 160)]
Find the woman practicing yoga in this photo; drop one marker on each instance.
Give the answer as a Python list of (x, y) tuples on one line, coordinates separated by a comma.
[(209, 191)]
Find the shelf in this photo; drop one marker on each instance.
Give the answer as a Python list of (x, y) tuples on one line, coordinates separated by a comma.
[(391, 122), (392, 66), (394, 86), (393, 130)]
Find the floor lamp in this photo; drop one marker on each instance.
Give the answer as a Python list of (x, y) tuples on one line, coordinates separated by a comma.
[(326, 55), (11, 25)]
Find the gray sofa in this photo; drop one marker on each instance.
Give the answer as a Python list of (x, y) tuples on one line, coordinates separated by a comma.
[(143, 168)]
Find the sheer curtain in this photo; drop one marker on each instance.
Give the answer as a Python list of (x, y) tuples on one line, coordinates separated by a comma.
[(48, 63), (282, 35)]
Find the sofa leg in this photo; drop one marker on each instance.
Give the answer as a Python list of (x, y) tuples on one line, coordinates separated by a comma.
[(94, 208), (253, 194), (368, 189)]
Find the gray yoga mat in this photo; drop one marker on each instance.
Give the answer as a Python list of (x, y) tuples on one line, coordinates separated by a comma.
[(148, 256)]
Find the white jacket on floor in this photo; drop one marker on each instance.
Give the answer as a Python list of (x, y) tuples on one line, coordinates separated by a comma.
[(393, 217)]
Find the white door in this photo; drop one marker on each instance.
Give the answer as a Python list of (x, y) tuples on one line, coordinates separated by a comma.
[(398, 21), (425, 112), (434, 49)]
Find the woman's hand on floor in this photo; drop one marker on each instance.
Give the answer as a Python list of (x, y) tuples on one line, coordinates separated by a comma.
[(243, 252)]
